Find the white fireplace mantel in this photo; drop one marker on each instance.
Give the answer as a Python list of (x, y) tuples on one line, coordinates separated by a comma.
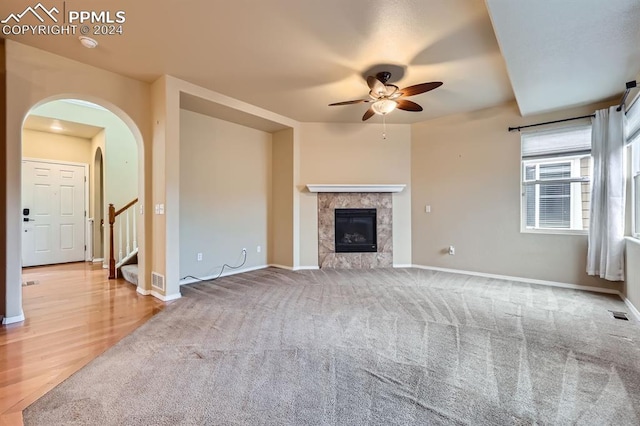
[(339, 187)]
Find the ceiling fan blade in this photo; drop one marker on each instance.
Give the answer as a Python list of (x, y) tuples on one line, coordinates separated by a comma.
[(357, 101), (376, 86), (367, 115), (407, 105), (420, 88)]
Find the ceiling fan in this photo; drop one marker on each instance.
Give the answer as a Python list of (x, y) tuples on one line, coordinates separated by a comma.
[(384, 97)]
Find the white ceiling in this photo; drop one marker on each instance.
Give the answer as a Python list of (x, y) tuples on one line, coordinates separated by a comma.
[(569, 52), (294, 57)]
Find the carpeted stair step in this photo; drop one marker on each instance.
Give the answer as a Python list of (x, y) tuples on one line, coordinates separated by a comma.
[(130, 273)]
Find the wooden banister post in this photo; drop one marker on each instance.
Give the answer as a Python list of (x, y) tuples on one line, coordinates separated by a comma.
[(112, 259), (113, 215)]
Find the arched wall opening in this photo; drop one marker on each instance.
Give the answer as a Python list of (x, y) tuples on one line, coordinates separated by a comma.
[(97, 161), (111, 136)]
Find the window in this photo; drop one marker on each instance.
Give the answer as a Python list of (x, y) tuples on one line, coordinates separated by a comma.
[(633, 137), (556, 180)]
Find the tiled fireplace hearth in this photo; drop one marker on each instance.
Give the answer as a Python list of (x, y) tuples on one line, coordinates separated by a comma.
[(370, 198)]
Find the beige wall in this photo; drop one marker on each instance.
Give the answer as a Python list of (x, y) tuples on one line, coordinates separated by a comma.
[(225, 191), (632, 283), (281, 229), (34, 76), (53, 146), (4, 267), (166, 93), (467, 168), (355, 153), (158, 156)]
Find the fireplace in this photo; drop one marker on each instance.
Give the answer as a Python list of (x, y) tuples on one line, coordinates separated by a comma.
[(355, 231), (330, 208)]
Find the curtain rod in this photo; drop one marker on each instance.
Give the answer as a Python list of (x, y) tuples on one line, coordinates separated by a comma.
[(511, 129), (629, 85)]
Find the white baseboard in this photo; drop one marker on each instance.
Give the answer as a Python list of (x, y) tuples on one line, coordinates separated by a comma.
[(13, 320), (224, 274), (158, 295), (632, 308), (306, 268), (522, 280), (275, 265), (167, 298), (401, 265), (99, 260), (297, 268), (253, 268)]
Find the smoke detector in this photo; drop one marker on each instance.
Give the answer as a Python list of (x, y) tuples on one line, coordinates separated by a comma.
[(88, 42)]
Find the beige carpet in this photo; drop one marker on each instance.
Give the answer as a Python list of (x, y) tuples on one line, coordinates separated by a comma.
[(353, 347)]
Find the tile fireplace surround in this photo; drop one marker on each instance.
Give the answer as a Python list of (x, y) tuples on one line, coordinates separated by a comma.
[(328, 202)]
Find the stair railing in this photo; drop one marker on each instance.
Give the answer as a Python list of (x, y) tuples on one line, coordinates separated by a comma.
[(127, 243)]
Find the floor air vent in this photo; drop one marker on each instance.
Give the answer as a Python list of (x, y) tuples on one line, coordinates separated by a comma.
[(157, 281), (26, 283), (619, 315)]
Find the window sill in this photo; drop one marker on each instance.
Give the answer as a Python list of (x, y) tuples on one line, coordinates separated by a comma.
[(555, 231), (634, 239)]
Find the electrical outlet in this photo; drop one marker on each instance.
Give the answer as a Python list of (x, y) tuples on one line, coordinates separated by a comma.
[(199, 257), (452, 250), (427, 209), (258, 249)]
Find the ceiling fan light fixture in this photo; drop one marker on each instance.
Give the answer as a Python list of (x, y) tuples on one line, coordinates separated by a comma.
[(384, 98), (384, 106)]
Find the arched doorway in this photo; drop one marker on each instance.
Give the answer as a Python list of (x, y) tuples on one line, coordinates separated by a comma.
[(34, 78), (72, 130)]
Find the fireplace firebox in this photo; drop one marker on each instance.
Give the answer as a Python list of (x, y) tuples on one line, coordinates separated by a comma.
[(356, 231)]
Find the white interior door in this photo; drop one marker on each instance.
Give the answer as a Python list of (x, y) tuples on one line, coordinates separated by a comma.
[(53, 213)]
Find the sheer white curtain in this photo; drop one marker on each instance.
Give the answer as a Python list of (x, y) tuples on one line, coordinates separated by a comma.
[(605, 257)]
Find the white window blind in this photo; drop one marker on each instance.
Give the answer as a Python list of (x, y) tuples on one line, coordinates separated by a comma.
[(557, 142), (556, 174), (632, 128)]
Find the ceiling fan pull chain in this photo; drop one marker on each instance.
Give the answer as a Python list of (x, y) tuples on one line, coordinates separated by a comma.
[(384, 127)]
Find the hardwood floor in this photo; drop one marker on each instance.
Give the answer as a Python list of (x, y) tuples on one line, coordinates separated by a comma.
[(73, 314)]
